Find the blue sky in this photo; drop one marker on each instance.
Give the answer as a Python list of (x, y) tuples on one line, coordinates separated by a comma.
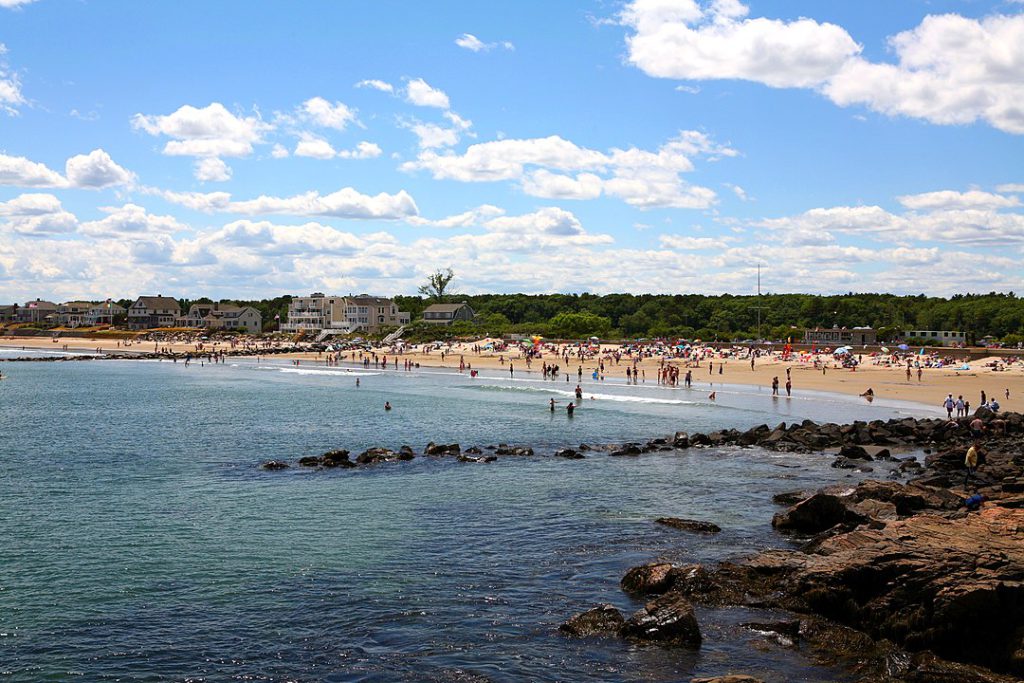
[(239, 149)]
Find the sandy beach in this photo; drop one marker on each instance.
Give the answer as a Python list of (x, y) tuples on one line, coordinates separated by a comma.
[(887, 382)]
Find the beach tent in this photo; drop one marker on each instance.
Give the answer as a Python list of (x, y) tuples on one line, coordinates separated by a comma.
[(903, 347), (842, 350)]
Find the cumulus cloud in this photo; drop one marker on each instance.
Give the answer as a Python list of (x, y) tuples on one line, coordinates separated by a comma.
[(641, 178), (14, 4), (95, 170), (22, 172), (131, 221), (282, 240), (949, 69), (470, 42), (37, 214), (422, 94), (949, 199), (209, 132), (322, 113), (690, 243), (318, 148), (363, 150), (10, 86), (375, 84), (345, 203), (213, 170)]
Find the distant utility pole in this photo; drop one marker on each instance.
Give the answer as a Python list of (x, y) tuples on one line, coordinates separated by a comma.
[(758, 307)]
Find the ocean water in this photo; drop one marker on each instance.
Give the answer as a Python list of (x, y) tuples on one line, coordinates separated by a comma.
[(141, 541)]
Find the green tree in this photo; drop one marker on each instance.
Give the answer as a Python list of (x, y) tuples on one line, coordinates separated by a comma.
[(436, 287)]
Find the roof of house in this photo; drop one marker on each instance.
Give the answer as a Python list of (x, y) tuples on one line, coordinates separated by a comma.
[(366, 299), (444, 308), (39, 303), (160, 302)]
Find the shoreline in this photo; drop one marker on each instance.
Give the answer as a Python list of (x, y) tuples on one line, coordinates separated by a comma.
[(886, 382)]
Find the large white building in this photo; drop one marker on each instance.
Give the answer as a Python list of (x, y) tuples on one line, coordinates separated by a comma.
[(361, 313)]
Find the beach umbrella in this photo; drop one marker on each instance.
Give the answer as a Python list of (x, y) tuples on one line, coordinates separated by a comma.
[(903, 347), (885, 349)]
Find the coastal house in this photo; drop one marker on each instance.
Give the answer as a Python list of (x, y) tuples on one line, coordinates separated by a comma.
[(938, 337), (446, 314), (364, 313), (8, 313), (104, 313), (841, 336), (221, 316), (153, 311), (73, 313), (37, 311)]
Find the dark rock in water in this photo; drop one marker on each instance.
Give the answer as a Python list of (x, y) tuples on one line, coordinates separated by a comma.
[(699, 440), (505, 449), (585, 447), (784, 632), (604, 619), (689, 525), (854, 452), (373, 455), (337, 458), (734, 678), (844, 463), (648, 579), (275, 465), (668, 619), (627, 449), (789, 497), (819, 512), (569, 453), (406, 453), (878, 452), (681, 440), (309, 461), (473, 450), (442, 449), (984, 413)]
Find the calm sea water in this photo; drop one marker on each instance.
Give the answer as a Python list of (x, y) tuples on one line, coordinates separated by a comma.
[(140, 541)]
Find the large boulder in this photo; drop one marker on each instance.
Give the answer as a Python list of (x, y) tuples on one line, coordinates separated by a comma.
[(669, 619), (648, 579), (601, 620), (820, 512), (689, 525)]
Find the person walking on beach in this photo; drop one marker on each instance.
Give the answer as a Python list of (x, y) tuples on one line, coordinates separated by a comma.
[(949, 404), (775, 386), (919, 372), (511, 370), (959, 406), (789, 388), (982, 397)]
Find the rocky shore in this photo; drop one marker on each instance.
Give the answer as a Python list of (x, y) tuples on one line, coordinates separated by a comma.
[(921, 581)]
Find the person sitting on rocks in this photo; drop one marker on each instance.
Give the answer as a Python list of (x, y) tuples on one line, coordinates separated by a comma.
[(977, 427)]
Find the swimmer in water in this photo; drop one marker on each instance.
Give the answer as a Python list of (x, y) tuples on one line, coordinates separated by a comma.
[(711, 396), (552, 404), (387, 405)]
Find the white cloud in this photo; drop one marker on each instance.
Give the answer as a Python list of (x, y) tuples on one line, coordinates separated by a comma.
[(544, 183), (740, 193), (432, 135), (22, 172), (949, 199), (322, 113), (688, 243), (131, 221), (212, 131), (374, 84), (308, 238), (470, 42), (279, 151), (949, 70), (197, 201), (37, 214), (212, 170), (472, 218), (13, 4), (420, 93), (680, 40), (1010, 187), (364, 150), (10, 86), (345, 203), (641, 178), (96, 170), (318, 148), (314, 147)]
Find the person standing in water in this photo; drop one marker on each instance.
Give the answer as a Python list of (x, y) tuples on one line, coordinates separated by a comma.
[(569, 408), (552, 404)]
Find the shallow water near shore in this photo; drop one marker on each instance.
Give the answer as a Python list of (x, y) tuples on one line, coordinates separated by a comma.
[(142, 542)]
